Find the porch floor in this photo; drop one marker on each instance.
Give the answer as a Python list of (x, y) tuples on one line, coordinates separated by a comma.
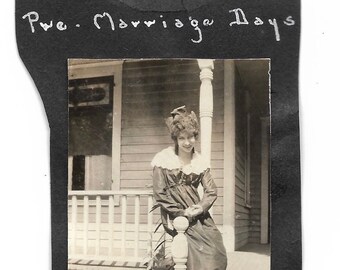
[(251, 256)]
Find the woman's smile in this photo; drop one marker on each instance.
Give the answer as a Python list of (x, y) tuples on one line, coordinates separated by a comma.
[(186, 142)]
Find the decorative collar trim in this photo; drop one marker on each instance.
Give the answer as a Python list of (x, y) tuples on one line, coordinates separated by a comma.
[(167, 159)]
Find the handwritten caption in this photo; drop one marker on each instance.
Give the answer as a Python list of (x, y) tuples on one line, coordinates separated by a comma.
[(237, 16)]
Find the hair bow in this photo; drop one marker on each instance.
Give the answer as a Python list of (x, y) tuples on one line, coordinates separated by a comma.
[(179, 111)]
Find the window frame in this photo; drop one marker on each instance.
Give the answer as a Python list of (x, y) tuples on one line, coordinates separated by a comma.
[(91, 68)]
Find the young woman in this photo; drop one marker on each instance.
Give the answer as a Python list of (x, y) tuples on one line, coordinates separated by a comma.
[(177, 172)]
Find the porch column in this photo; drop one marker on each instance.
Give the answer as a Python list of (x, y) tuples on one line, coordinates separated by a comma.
[(116, 126), (70, 170), (206, 105), (229, 157), (264, 179)]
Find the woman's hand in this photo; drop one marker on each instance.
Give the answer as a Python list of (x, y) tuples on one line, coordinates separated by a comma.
[(196, 210), (193, 211)]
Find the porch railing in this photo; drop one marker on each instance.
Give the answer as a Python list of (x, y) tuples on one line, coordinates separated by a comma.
[(101, 227)]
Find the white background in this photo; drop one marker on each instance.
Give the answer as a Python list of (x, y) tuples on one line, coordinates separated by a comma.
[(24, 147)]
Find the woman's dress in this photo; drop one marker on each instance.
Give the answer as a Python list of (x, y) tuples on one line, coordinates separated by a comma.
[(175, 189)]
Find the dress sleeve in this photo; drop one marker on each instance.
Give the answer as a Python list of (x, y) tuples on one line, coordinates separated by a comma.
[(162, 196), (210, 191)]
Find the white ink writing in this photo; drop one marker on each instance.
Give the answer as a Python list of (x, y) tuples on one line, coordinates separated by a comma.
[(240, 17), (165, 25), (276, 28), (149, 23), (61, 26), (289, 21), (178, 23), (135, 24), (194, 23), (122, 24), (105, 14), (258, 21), (46, 26), (207, 22), (102, 20), (32, 17)]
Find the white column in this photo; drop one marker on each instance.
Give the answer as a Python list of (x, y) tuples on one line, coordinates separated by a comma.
[(264, 179), (229, 157), (70, 171), (206, 105), (116, 126)]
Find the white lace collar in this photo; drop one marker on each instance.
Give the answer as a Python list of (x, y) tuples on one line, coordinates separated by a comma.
[(167, 159)]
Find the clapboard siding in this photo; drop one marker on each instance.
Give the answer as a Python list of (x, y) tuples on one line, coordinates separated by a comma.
[(241, 225), (134, 130), (151, 89), (215, 156), (255, 184), (155, 121), (162, 139), (255, 213), (145, 165), (154, 148)]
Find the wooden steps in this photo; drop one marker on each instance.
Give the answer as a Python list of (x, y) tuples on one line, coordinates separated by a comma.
[(83, 264)]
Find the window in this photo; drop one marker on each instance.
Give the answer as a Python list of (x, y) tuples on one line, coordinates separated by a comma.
[(94, 120)]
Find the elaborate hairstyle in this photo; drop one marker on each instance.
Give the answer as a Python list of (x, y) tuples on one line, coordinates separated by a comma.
[(181, 120)]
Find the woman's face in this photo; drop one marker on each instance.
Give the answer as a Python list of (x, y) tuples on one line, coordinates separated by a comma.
[(186, 142)]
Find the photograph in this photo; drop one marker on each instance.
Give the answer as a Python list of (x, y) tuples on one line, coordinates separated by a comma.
[(80, 193), (169, 164)]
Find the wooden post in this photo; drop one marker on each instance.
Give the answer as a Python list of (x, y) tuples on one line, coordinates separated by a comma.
[(229, 157), (264, 180), (86, 224), (98, 224), (179, 247), (73, 237), (248, 160), (206, 105), (137, 225), (70, 170), (124, 206), (116, 127), (111, 224), (206, 110), (150, 213)]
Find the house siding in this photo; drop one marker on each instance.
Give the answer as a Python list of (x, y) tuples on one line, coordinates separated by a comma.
[(242, 213), (255, 212), (151, 89)]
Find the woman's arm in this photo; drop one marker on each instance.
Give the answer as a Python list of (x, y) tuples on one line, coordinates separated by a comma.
[(161, 195), (210, 191)]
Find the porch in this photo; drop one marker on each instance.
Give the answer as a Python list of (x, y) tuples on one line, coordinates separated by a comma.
[(109, 222), (114, 230), (251, 256)]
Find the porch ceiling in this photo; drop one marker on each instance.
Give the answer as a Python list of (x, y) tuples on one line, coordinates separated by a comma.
[(255, 79)]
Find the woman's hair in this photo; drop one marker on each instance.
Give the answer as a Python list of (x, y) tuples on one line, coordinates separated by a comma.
[(180, 121)]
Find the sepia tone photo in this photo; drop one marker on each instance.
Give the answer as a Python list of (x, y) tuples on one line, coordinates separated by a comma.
[(168, 164)]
